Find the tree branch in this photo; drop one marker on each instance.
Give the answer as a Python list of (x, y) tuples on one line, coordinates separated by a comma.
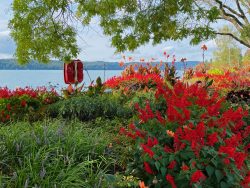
[(230, 9), (222, 6), (233, 36), (243, 16)]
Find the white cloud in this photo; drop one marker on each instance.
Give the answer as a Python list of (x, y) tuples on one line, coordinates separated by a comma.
[(3, 24), (211, 44), (5, 56), (168, 48), (5, 33)]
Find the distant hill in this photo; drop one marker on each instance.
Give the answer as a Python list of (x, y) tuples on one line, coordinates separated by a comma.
[(11, 64)]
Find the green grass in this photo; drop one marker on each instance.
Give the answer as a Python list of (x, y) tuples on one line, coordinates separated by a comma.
[(57, 154)]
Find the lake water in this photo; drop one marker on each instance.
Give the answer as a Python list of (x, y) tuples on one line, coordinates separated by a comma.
[(35, 78)]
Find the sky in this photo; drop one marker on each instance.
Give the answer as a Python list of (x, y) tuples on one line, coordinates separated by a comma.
[(95, 46)]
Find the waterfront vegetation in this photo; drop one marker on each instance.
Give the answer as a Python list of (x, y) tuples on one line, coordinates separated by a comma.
[(148, 127), (145, 128)]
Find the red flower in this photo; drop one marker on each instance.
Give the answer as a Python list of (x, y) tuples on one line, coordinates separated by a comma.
[(193, 164), (172, 164), (147, 150), (160, 118), (121, 63), (247, 147), (197, 176), (185, 167), (170, 179), (227, 150), (131, 135), (234, 141), (139, 134), (23, 103), (246, 132), (212, 139), (239, 159), (8, 107), (132, 126), (204, 47), (226, 161), (246, 182), (7, 116), (122, 130), (151, 143), (168, 149), (147, 168)]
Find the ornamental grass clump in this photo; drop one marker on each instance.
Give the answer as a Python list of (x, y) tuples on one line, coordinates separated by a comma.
[(198, 141)]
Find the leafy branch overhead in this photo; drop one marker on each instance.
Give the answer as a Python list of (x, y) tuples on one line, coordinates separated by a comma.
[(44, 29)]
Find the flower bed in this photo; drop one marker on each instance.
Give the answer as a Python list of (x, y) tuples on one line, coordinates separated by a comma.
[(197, 142), (14, 104)]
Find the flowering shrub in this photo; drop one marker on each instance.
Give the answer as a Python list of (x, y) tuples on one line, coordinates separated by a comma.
[(228, 80), (135, 81), (202, 68), (196, 142), (145, 75), (14, 104)]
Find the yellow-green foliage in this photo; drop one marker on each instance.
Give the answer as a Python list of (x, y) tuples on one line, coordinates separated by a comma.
[(215, 71), (246, 58)]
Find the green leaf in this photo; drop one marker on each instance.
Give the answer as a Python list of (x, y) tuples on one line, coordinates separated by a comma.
[(224, 185), (171, 158), (215, 161), (157, 165), (187, 155), (110, 178), (219, 175), (209, 83), (210, 170), (163, 171)]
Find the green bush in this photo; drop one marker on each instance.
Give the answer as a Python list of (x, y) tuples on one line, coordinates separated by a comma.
[(141, 98), (57, 154), (87, 108)]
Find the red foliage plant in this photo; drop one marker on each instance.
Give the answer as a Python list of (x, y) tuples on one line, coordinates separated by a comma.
[(16, 102), (195, 142), (229, 80)]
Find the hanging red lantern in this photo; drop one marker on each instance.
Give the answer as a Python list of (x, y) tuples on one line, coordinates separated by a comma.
[(73, 72)]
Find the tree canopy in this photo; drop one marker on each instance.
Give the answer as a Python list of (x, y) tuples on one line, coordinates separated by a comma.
[(228, 53), (43, 29)]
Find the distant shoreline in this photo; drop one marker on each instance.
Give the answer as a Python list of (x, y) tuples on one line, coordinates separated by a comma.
[(11, 64)]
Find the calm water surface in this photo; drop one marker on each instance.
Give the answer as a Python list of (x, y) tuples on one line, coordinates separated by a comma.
[(35, 78)]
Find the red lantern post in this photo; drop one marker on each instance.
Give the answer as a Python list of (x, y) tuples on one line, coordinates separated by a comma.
[(73, 74)]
